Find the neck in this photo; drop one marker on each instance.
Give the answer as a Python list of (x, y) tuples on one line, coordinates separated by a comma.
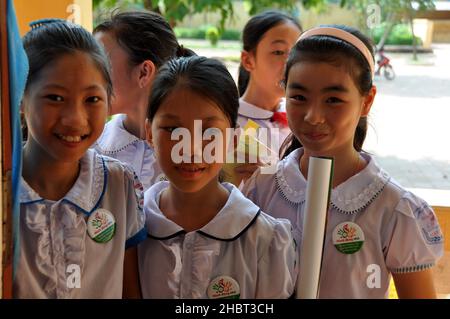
[(184, 209), (261, 97), (134, 121), (50, 179), (346, 164)]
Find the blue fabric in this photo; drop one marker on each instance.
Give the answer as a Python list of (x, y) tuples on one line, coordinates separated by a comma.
[(18, 72)]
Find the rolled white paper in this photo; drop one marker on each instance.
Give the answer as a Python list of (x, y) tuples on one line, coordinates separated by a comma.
[(316, 206)]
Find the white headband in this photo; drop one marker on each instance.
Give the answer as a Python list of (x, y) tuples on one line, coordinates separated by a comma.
[(343, 35)]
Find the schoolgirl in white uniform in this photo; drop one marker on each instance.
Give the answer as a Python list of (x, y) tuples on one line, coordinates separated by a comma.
[(267, 38), (206, 240), (375, 228), (138, 43), (79, 211)]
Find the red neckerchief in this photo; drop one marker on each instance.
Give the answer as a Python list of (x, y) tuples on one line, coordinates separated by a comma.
[(280, 118)]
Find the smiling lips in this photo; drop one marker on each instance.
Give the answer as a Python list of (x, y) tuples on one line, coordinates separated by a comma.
[(72, 138), (190, 171)]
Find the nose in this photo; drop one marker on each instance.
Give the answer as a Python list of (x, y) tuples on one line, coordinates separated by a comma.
[(74, 114), (314, 114)]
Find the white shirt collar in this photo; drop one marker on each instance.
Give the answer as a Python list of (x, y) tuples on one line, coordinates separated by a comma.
[(252, 111), (115, 137), (88, 190), (231, 221), (350, 197)]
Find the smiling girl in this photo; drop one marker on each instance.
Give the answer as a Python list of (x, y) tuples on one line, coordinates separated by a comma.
[(329, 92), (205, 236), (79, 211)]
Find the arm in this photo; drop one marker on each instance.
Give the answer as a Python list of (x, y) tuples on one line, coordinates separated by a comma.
[(131, 286), (415, 285)]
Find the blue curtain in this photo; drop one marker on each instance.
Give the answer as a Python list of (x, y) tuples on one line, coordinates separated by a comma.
[(18, 71)]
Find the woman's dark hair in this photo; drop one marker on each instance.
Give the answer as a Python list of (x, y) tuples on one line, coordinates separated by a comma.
[(253, 31), (206, 77), (324, 48), (144, 35), (49, 39)]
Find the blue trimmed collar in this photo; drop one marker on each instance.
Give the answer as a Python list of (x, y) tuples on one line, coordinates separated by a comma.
[(229, 223), (88, 190), (350, 197), (115, 137)]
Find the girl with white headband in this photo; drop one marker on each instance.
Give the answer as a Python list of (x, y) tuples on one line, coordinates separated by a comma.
[(375, 228)]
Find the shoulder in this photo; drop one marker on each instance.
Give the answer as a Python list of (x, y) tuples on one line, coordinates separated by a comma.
[(263, 179), (114, 138)]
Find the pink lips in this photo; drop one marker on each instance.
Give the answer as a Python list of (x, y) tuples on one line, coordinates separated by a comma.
[(190, 172), (315, 136)]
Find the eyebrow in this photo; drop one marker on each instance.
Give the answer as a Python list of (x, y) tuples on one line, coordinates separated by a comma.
[(206, 119), (57, 86), (332, 88), (279, 41)]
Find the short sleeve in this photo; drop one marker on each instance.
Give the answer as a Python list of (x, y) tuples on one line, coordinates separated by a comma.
[(135, 217), (415, 241), (277, 269)]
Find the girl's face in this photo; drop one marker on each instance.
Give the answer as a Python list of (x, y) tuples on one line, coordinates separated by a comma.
[(65, 108), (324, 106), (179, 110), (266, 64), (122, 73)]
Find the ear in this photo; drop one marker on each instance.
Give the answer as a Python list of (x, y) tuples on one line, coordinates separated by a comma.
[(147, 72), (368, 101), (148, 132), (247, 60)]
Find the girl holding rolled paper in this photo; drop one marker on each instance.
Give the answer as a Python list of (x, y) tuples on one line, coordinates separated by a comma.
[(267, 39), (375, 228)]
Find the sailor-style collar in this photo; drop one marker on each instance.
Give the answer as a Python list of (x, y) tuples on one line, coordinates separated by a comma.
[(88, 189), (238, 214), (253, 112), (350, 197), (115, 137)]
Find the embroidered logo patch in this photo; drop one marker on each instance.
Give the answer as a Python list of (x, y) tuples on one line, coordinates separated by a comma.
[(429, 225)]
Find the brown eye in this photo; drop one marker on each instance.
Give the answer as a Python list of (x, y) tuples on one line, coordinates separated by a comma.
[(54, 98), (93, 99)]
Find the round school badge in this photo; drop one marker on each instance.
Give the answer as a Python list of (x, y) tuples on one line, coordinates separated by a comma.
[(223, 287), (101, 226), (348, 238)]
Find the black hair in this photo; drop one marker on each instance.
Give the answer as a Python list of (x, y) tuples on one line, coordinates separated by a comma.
[(51, 38), (144, 35), (252, 34), (324, 48), (206, 77)]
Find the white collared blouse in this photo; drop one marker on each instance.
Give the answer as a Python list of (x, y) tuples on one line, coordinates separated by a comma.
[(118, 143), (55, 246), (262, 117), (241, 242), (401, 231)]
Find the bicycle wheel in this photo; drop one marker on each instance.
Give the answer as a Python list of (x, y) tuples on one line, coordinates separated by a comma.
[(389, 72)]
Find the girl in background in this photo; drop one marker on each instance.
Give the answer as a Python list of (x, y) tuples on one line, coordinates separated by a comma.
[(138, 43), (267, 39)]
